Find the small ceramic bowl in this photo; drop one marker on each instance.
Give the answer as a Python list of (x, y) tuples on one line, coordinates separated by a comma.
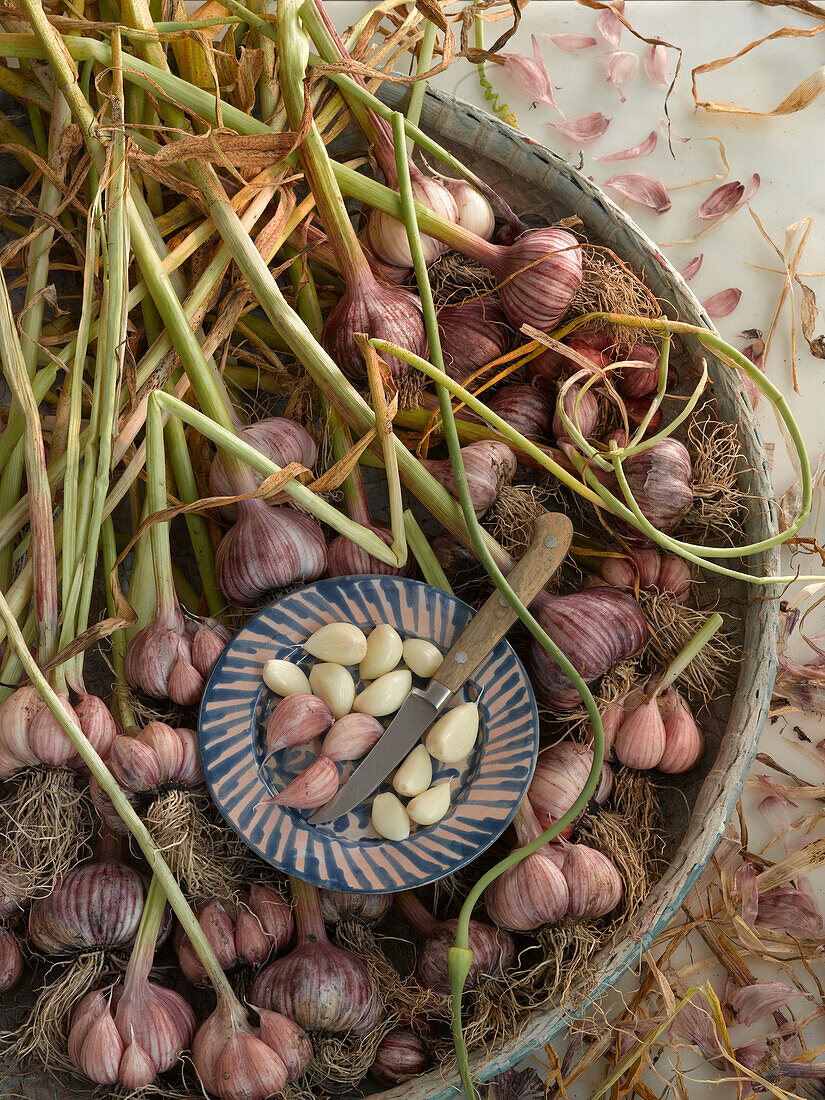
[(347, 854)]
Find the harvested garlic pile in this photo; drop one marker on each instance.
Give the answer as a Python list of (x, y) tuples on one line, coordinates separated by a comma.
[(327, 703)]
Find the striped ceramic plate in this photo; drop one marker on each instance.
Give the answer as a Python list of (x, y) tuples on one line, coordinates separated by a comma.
[(347, 854)]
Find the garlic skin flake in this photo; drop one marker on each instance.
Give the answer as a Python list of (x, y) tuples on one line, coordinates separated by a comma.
[(431, 806), (334, 684), (285, 678), (416, 773), (384, 647), (384, 695), (389, 818), (452, 737), (341, 643), (422, 657)]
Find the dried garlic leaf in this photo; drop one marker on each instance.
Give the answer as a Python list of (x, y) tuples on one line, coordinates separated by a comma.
[(801, 97), (809, 312)]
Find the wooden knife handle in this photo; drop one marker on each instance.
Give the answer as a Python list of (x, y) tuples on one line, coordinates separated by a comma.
[(552, 535)]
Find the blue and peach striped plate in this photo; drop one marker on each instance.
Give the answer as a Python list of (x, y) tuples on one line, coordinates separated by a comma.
[(347, 854)]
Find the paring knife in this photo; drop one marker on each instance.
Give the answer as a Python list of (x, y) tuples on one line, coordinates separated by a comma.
[(552, 534)]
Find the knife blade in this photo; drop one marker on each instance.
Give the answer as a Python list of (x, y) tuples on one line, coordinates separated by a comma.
[(552, 534), (418, 711)]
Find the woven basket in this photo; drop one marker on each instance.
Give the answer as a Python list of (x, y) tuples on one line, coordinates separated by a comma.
[(535, 180)]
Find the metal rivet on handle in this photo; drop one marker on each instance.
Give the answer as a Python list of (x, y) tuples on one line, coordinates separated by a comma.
[(461, 657), (551, 541), (503, 601)]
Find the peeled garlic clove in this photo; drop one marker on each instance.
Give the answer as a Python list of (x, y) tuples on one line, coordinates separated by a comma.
[(422, 657), (285, 678), (384, 695), (384, 647), (429, 807), (352, 737), (452, 737), (342, 643), (333, 684), (312, 788), (389, 818), (415, 774)]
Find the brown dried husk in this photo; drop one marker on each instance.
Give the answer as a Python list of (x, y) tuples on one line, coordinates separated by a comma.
[(511, 518), (47, 827), (209, 859)]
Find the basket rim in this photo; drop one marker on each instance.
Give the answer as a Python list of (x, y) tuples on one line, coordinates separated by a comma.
[(722, 787)]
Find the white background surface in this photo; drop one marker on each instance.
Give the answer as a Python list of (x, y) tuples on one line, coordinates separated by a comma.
[(787, 152)]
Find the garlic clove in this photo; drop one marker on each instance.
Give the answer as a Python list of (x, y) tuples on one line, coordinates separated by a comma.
[(384, 695), (134, 765), (401, 1055), (384, 648), (248, 1068), (289, 1039), (97, 722), (641, 740), (452, 737), (251, 942), (352, 737), (208, 644), (185, 684), (297, 720), (136, 1070), (343, 643), (431, 806), (219, 929), (389, 818), (16, 716), (285, 678), (167, 745), (189, 772), (11, 961), (314, 787), (100, 1053), (593, 882), (274, 913), (338, 905), (422, 657), (334, 684), (531, 894), (684, 740), (48, 739), (416, 773)]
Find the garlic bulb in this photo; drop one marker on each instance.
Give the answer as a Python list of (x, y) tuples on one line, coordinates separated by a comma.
[(489, 465), (97, 904), (431, 805), (367, 908), (352, 737), (345, 557), (334, 684), (343, 643), (451, 738), (661, 480), (319, 986), (560, 775), (384, 695), (586, 416), (595, 629), (233, 1060), (281, 440), (268, 548), (593, 882), (401, 1055), (11, 961), (525, 408), (159, 659), (285, 678), (384, 649), (493, 949), (389, 818), (379, 310), (422, 657), (158, 754), (388, 237), (311, 788), (639, 371), (415, 774), (473, 210), (472, 334), (650, 570), (548, 367)]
